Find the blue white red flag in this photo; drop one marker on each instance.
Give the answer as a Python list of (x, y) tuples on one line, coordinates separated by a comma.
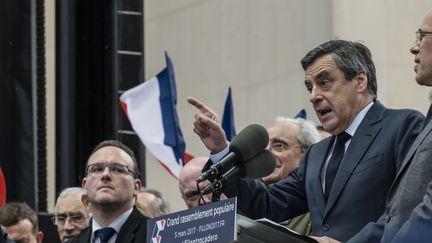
[(228, 117), (152, 111), (302, 114)]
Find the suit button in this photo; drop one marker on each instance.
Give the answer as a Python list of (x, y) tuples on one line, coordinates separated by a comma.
[(326, 227)]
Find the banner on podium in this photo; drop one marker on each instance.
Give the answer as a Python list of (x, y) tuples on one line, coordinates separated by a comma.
[(215, 222)]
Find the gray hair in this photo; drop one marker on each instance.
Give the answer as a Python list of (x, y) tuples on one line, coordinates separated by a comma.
[(308, 134), (70, 191), (350, 57), (161, 206)]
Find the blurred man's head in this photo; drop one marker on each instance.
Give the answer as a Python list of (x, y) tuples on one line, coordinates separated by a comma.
[(70, 215), (187, 182), (21, 223), (151, 203), (288, 140)]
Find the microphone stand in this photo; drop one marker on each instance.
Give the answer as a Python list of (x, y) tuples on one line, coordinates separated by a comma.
[(216, 195)]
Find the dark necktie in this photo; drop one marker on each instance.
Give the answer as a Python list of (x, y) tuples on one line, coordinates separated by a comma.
[(105, 234), (336, 158)]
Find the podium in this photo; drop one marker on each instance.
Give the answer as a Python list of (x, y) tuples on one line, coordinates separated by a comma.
[(251, 231)]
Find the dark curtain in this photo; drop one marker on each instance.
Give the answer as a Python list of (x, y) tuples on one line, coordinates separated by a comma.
[(16, 122)]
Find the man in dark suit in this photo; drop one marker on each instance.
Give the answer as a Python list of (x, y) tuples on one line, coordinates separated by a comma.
[(340, 77), (110, 188), (406, 217)]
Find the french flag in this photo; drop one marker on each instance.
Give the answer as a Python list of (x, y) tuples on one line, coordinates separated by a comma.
[(2, 188), (228, 124), (152, 111)]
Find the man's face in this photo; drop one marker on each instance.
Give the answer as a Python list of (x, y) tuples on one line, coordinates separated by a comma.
[(22, 232), (423, 54), (109, 181), (189, 190), (285, 147), (335, 100), (71, 217)]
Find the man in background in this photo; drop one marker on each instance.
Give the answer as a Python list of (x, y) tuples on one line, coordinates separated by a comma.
[(288, 141), (70, 215), (151, 203), (20, 223), (188, 186)]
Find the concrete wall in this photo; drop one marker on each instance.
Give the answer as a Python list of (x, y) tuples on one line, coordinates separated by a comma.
[(255, 46)]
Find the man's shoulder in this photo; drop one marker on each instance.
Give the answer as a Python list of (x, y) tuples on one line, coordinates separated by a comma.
[(83, 236)]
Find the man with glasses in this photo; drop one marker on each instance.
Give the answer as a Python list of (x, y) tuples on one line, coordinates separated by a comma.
[(110, 188), (288, 141), (70, 215)]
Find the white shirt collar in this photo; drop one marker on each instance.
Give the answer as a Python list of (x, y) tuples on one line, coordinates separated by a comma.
[(116, 224), (358, 119)]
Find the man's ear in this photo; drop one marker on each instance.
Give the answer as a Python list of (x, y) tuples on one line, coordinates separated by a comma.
[(137, 187), (362, 82), (39, 237)]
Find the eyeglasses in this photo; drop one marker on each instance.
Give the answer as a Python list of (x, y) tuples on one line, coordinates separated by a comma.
[(74, 218), (114, 168), (420, 35)]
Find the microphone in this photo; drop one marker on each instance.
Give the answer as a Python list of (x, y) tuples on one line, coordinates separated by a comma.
[(251, 140), (259, 166)]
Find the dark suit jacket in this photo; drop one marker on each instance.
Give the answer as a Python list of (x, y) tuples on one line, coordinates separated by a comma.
[(406, 192), (418, 228), (133, 230), (359, 191)]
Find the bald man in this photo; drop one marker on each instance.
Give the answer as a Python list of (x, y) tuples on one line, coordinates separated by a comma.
[(187, 182)]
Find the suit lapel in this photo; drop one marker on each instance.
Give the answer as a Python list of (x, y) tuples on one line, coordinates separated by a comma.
[(129, 228), (407, 161), (360, 142)]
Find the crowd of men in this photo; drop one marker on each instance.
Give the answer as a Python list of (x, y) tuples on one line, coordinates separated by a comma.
[(319, 188)]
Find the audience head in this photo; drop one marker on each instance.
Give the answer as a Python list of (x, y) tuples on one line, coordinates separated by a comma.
[(151, 203), (340, 76), (187, 182), (422, 50), (21, 223), (111, 183), (288, 140), (70, 215)]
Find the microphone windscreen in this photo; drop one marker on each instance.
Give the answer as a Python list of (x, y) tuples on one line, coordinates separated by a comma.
[(251, 140), (263, 164)]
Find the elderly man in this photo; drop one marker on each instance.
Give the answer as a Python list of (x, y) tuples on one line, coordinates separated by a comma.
[(340, 77), (110, 187), (70, 215), (151, 203), (288, 141), (21, 223)]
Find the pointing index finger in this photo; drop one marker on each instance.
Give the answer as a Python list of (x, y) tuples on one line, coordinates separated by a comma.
[(203, 108)]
